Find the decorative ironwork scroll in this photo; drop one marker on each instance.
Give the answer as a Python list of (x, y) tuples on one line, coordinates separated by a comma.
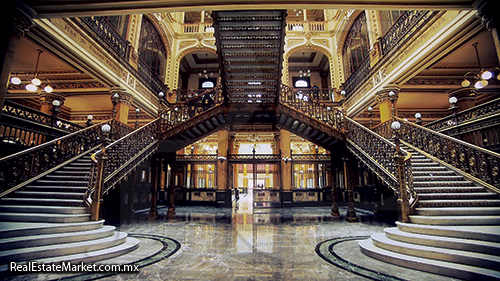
[(20, 167), (478, 162)]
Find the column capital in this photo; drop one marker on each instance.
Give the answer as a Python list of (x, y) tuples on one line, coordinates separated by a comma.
[(48, 98), (486, 12), (120, 95), (22, 21), (387, 94)]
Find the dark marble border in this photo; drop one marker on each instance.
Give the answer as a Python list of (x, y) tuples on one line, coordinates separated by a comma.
[(325, 251), (170, 247)]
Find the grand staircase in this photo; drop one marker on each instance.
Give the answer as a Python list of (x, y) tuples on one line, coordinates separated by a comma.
[(454, 231), (47, 221)]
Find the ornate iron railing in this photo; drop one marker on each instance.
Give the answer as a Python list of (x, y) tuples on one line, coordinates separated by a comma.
[(478, 162), (465, 117), (253, 156), (378, 154), (311, 107), (149, 79), (311, 157), (318, 94), (108, 34), (119, 129), (17, 169), (196, 157), (25, 113), (179, 113), (359, 76), (407, 24), (121, 157)]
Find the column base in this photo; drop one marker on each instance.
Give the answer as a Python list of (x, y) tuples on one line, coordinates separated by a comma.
[(171, 211), (153, 216), (335, 213), (351, 216)]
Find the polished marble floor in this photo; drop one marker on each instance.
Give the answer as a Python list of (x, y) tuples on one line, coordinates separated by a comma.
[(243, 243)]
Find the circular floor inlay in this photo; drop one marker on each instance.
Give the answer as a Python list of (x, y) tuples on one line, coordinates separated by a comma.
[(325, 250)]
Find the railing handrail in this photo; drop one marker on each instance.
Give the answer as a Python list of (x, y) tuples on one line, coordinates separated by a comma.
[(29, 150), (464, 112), (48, 116), (469, 145)]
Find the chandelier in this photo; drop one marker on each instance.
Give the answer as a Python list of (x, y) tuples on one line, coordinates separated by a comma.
[(304, 73), (33, 84), (205, 71), (480, 80)]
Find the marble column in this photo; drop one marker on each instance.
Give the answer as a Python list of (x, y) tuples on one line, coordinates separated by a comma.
[(348, 182), (14, 21), (156, 171), (222, 148), (121, 101), (286, 167), (387, 99)]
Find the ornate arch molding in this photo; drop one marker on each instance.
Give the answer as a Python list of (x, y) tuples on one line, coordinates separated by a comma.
[(345, 30), (307, 46), (164, 36)]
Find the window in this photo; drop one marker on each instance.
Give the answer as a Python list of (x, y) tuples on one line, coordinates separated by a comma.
[(152, 51), (387, 19), (356, 45), (207, 83), (301, 82), (120, 23)]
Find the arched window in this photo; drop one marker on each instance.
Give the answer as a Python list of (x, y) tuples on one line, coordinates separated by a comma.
[(356, 45), (387, 19), (301, 84), (152, 51)]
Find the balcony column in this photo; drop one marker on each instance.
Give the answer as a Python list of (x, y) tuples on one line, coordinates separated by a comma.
[(46, 100), (333, 176), (171, 187), (386, 100), (286, 167), (15, 21), (155, 181), (121, 101), (276, 167)]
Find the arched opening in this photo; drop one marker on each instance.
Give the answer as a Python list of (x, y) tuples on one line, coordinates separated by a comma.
[(152, 51), (309, 72), (198, 71)]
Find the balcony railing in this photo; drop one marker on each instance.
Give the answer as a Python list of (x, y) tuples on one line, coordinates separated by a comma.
[(197, 27), (406, 25), (149, 79), (306, 26), (108, 34)]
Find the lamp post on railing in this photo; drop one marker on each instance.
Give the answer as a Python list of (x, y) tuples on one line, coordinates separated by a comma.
[(89, 120), (418, 118), (55, 110), (370, 115), (454, 107), (101, 163), (137, 111), (392, 98), (403, 204)]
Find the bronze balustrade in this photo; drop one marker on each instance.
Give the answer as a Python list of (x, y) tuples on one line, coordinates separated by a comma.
[(119, 129), (18, 169), (108, 34), (378, 153), (314, 108), (475, 161)]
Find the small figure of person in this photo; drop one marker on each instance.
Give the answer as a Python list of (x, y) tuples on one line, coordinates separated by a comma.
[(207, 101), (315, 91), (192, 102), (236, 194)]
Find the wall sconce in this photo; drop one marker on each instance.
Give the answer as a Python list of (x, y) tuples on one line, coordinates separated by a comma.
[(35, 82), (221, 159), (286, 159)]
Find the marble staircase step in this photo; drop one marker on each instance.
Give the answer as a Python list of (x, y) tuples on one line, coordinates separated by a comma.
[(43, 209), (90, 256), (72, 177), (66, 182), (471, 245), (452, 189), (463, 272), (434, 173), (48, 194), (435, 177), (40, 217), (442, 183), (455, 220), (56, 188), (457, 211), (428, 168), (55, 238), (459, 203), (39, 252), (459, 195), (43, 201), (17, 229), (437, 253), (485, 232)]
